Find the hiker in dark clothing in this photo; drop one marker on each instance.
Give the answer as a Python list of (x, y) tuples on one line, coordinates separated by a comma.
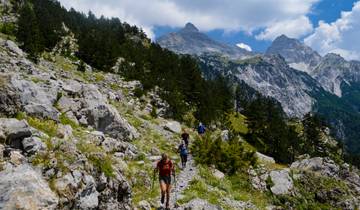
[(185, 137), (166, 168), (201, 129), (183, 154)]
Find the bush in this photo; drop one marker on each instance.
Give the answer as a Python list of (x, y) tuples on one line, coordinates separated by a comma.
[(8, 28), (153, 112), (229, 157)]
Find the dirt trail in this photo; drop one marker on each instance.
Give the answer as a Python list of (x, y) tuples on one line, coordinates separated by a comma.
[(182, 181)]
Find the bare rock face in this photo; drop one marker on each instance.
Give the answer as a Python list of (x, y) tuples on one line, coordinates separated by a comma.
[(22, 187), (297, 54)]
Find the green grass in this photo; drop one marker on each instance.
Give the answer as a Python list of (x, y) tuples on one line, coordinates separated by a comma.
[(237, 123), (47, 126), (198, 189), (236, 187), (99, 77), (66, 121), (95, 154)]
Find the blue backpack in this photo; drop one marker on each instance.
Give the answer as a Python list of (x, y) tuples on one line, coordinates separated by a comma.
[(183, 150)]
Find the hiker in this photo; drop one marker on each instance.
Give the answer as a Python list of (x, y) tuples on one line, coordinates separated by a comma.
[(183, 154), (201, 129), (185, 137), (166, 168)]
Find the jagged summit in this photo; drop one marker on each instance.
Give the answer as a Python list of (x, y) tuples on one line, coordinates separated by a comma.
[(296, 53), (189, 27), (189, 40)]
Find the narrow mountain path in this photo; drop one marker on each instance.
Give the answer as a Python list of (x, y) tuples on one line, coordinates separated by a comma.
[(182, 181)]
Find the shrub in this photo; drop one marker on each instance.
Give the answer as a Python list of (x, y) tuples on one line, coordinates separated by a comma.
[(153, 112), (229, 157)]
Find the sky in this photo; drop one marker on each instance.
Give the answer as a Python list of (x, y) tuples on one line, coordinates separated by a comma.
[(328, 26)]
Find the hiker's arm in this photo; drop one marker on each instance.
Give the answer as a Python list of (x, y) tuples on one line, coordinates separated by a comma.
[(156, 169)]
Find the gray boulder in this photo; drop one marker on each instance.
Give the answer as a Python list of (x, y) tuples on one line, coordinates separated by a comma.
[(9, 99), (72, 87), (282, 182), (225, 135), (199, 204), (88, 198), (32, 145), (10, 45), (23, 188), (42, 111), (325, 166), (14, 131), (104, 117), (173, 126), (144, 205), (264, 159)]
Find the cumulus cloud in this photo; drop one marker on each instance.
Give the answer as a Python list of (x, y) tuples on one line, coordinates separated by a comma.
[(341, 36), (244, 46), (229, 15), (292, 28)]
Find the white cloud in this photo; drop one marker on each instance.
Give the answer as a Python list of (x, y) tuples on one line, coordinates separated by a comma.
[(244, 46), (341, 36), (293, 28), (230, 15)]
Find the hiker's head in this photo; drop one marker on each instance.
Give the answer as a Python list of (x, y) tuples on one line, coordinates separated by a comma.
[(164, 156), (200, 124)]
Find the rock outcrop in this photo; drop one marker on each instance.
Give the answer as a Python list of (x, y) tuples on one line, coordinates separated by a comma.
[(21, 187)]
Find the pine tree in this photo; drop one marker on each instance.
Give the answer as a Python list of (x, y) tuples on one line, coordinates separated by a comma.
[(28, 33)]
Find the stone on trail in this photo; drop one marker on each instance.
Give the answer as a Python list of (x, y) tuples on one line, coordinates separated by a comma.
[(199, 204)]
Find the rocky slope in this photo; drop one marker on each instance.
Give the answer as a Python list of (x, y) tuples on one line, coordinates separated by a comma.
[(271, 76), (190, 40)]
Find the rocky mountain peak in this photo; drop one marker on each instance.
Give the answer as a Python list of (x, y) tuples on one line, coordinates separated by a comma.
[(333, 56), (190, 40), (189, 27), (297, 54)]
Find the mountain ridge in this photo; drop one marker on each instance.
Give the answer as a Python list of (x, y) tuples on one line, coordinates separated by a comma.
[(189, 40)]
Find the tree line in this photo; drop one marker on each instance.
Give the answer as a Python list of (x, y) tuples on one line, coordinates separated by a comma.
[(103, 40)]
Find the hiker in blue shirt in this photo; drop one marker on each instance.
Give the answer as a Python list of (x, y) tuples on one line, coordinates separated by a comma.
[(183, 154), (201, 129)]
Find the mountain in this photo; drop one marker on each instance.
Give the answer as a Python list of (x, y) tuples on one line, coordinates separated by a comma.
[(85, 117), (298, 55), (297, 77), (190, 40), (334, 72), (271, 76)]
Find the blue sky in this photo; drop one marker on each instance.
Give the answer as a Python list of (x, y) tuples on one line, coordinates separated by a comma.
[(328, 26), (326, 10)]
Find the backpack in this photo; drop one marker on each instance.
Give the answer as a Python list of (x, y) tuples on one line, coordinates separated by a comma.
[(183, 150), (201, 129)]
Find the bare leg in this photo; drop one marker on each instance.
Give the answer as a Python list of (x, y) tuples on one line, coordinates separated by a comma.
[(168, 190), (163, 191)]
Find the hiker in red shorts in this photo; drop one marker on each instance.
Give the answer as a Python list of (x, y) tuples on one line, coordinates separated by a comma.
[(166, 168)]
